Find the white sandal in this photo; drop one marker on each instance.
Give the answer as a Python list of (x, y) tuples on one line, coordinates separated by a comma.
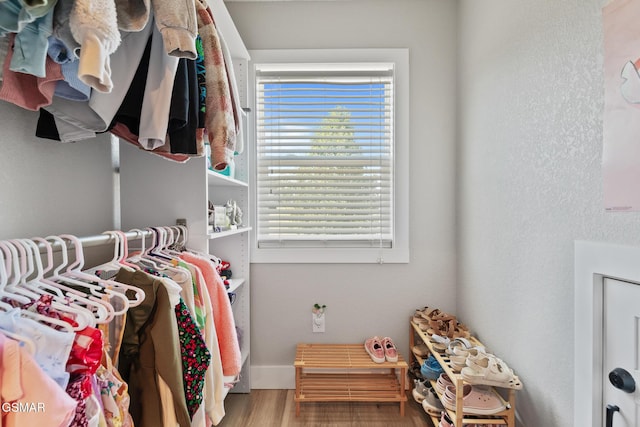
[(489, 370)]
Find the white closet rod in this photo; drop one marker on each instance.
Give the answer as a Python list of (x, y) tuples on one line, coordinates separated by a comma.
[(100, 239)]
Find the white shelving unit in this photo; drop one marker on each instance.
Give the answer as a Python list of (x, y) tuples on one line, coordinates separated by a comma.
[(155, 191)]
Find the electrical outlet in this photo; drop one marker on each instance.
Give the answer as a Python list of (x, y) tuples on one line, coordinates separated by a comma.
[(317, 322)]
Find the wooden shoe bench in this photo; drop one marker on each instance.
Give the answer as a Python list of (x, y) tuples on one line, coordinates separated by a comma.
[(459, 418), (346, 373)]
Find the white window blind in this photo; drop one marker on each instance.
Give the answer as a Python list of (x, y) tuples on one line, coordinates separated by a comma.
[(325, 143)]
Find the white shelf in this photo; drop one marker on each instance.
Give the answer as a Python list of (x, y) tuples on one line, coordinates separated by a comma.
[(226, 233), (215, 178), (235, 284)]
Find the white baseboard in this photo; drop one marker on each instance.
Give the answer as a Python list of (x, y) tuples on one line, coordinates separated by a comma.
[(273, 377)]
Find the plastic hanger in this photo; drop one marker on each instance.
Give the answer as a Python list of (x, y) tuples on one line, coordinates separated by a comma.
[(12, 268), (31, 348), (124, 251), (3, 280), (99, 311), (29, 264), (151, 255), (108, 286), (119, 254), (97, 287), (148, 258), (82, 316), (26, 269), (133, 259), (16, 273), (103, 310)]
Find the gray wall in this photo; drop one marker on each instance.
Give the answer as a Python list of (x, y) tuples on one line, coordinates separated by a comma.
[(530, 183), (371, 299), (51, 188)]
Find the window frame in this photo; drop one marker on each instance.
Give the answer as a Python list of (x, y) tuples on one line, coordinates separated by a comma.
[(399, 251)]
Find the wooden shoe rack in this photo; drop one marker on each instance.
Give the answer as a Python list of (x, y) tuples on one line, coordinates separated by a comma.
[(504, 418), (346, 373)]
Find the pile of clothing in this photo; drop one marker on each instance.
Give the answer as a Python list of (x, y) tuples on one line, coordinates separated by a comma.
[(155, 73)]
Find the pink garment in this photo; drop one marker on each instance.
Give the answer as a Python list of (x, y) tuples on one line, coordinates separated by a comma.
[(28, 397), (222, 315), (28, 91), (122, 131), (219, 123)]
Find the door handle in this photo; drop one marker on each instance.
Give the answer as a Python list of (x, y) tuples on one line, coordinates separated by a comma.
[(611, 409)]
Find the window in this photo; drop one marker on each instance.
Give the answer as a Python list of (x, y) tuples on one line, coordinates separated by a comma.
[(325, 160)]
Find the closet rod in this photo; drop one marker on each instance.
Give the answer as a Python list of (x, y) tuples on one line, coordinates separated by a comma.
[(100, 239)]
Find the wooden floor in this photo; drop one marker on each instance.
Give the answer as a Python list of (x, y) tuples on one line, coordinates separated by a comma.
[(276, 408)]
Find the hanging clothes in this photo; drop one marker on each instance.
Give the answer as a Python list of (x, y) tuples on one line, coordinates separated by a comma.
[(52, 346), (223, 315), (149, 347), (195, 358), (77, 121), (25, 383), (219, 122), (26, 90), (113, 393), (32, 24), (183, 115), (95, 27)]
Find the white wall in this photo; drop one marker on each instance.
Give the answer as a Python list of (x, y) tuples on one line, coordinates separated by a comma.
[(51, 188), (366, 300), (530, 123)]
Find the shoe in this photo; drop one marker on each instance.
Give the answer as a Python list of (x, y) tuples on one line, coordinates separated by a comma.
[(439, 343), (390, 350), (414, 372), (487, 369), (420, 350), (431, 404), (442, 383), (431, 369), (457, 363), (374, 348), (419, 391), (463, 345), (445, 421), (476, 400)]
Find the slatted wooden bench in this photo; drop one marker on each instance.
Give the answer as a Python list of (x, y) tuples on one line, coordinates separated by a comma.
[(346, 373)]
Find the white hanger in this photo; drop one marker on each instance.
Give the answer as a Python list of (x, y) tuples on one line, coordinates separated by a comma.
[(31, 347), (98, 310), (82, 316), (3, 281), (26, 269), (108, 286), (135, 258), (21, 287), (104, 310), (124, 251), (12, 273), (147, 257), (119, 252), (13, 252), (101, 287)]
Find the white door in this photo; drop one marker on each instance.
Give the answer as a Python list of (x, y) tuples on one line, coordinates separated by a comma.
[(621, 353)]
